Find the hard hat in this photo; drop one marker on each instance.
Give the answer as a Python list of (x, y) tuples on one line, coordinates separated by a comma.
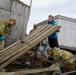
[(49, 49)]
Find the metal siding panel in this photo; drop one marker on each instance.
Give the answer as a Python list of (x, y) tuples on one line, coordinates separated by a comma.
[(5, 4), (19, 12), (73, 34), (26, 19), (4, 14), (67, 33)]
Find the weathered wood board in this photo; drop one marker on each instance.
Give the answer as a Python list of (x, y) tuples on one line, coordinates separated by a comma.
[(17, 49)]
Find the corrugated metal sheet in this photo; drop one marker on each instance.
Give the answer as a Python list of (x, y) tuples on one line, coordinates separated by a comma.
[(67, 35)]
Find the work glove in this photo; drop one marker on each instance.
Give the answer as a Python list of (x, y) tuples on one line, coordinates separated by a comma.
[(2, 38)]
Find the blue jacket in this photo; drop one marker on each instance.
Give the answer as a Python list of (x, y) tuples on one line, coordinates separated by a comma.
[(52, 22)]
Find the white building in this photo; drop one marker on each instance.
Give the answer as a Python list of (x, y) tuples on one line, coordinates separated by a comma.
[(67, 34)]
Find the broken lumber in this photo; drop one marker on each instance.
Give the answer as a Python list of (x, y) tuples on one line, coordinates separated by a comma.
[(16, 50), (54, 67)]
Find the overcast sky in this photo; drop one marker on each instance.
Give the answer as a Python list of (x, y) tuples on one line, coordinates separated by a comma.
[(42, 8)]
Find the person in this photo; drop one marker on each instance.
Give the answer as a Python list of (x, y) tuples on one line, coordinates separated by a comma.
[(5, 29), (52, 39), (36, 48), (34, 27), (65, 59)]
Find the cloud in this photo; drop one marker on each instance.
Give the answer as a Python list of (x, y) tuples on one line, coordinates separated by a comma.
[(42, 8), (44, 3)]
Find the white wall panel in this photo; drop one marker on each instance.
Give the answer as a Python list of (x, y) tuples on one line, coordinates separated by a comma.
[(67, 34)]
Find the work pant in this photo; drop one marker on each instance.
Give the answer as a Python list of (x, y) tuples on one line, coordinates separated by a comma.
[(2, 44), (53, 42)]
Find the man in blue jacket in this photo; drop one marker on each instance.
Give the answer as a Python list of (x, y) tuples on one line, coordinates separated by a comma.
[(52, 39)]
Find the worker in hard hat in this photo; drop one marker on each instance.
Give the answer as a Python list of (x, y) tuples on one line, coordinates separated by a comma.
[(64, 58), (5, 29)]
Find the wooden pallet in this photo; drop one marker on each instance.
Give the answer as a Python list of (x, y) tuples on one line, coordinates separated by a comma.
[(17, 49)]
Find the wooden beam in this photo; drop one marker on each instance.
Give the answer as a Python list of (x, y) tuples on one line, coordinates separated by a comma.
[(54, 67), (16, 50), (20, 49), (19, 42), (29, 42)]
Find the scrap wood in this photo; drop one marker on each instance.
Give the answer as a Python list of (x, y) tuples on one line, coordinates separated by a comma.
[(54, 67), (13, 52)]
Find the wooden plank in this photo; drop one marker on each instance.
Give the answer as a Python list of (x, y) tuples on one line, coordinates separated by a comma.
[(6, 56), (29, 36), (54, 67), (7, 73), (19, 42), (33, 43)]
